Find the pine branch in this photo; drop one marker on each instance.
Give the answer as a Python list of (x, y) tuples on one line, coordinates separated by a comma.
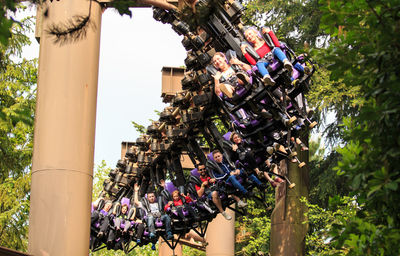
[(73, 30)]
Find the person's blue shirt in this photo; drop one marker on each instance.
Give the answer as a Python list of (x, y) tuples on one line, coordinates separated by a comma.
[(225, 168)]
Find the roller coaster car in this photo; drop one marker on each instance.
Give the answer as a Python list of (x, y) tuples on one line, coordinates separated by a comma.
[(111, 188), (178, 224), (180, 27), (197, 61), (233, 10), (112, 173), (159, 225), (125, 180), (153, 130), (176, 132), (165, 16), (121, 164), (204, 79), (131, 153), (224, 34), (168, 115), (182, 100), (192, 116), (135, 170), (189, 81), (213, 168), (192, 42), (207, 210), (144, 159), (96, 242), (159, 146), (142, 141), (203, 99)]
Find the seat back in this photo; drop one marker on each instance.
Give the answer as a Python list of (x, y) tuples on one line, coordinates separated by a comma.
[(195, 172)]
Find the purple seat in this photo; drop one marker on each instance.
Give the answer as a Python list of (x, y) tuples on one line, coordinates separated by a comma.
[(195, 172), (295, 73), (170, 187), (126, 201), (274, 65), (158, 223), (227, 136)]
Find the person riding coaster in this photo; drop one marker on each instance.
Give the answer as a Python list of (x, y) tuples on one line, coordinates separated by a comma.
[(101, 218), (206, 188), (229, 76), (263, 51), (153, 213), (266, 53), (120, 220), (242, 152), (232, 85), (178, 206), (221, 170)]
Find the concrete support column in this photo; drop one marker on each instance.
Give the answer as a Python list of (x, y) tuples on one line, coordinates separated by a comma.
[(62, 170), (287, 229), (220, 236), (165, 250)]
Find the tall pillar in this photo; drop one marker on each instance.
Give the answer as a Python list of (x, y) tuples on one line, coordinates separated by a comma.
[(62, 169), (221, 236), (165, 250), (288, 232)]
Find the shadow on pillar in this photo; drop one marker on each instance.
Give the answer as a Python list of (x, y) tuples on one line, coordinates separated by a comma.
[(288, 232)]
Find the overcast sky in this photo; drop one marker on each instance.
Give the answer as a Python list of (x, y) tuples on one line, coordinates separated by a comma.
[(132, 54)]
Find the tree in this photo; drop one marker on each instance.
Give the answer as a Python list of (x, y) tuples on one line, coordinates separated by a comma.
[(17, 102), (365, 54), (253, 228)]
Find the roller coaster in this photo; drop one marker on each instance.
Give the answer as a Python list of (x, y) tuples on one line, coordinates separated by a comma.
[(262, 116)]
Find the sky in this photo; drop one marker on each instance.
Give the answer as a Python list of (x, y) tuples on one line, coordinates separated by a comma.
[(132, 54)]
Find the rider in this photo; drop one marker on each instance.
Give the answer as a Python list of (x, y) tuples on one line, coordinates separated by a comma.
[(233, 173), (226, 79), (205, 189), (102, 217), (153, 212), (121, 219), (254, 38), (179, 205), (243, 153)]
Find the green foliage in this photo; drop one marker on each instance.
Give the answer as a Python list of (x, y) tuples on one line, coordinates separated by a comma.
[(17, 102), (253, 229), (320, 221), (366, 56), (324, 181), (14, 211), (142, 251), (6, 22), (122, 6), (188, 251), (139, 128), (100, 174)]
